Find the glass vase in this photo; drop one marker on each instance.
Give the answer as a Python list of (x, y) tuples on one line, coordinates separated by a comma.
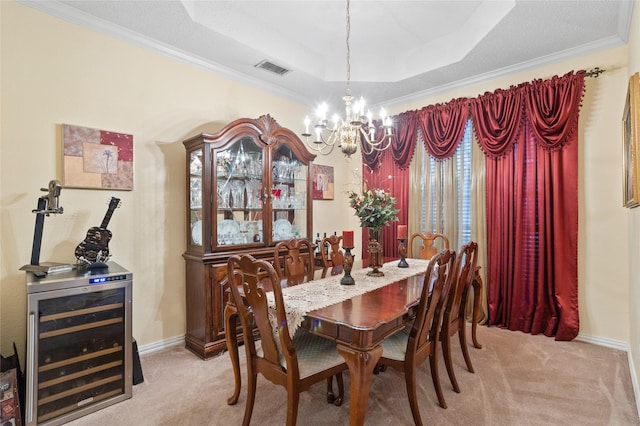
[(374, 248)]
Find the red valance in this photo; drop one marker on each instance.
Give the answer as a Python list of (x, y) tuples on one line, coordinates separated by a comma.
[(549, 106), (442, 127), (497, 118), (553, 107), (403, 146)]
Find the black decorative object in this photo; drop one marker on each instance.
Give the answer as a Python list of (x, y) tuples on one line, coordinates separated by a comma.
[(47, 204)]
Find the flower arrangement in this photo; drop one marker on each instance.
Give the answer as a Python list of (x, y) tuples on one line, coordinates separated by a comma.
[(375, 207)]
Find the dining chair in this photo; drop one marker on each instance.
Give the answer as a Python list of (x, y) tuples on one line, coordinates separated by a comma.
[(294, 363), (332, 256), (293, 260), (430, 244), (405, 350), (454, 317)]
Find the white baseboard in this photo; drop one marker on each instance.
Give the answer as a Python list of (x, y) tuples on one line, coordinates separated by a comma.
[(603, 341), (624, 346), (160, 345), (632, 370)]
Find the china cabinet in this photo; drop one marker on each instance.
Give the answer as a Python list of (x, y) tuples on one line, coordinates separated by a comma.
[(248, 187)]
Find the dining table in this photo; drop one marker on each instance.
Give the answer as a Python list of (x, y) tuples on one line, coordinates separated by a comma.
[(357, 317)]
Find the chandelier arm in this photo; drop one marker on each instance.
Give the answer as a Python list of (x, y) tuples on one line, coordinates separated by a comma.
[(320, 146), (384, 147), (366, 148), (374, 143), (333, 137), (322, 143), (382, 144)]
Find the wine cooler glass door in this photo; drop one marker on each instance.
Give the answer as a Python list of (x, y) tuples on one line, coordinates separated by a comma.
[(80, 350)]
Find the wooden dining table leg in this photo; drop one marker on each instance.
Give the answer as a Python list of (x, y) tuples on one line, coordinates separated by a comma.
[(477, 307), (361, 366), (231, 337)]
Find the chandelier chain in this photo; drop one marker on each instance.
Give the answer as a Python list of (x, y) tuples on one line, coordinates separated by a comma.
[(348, 50)]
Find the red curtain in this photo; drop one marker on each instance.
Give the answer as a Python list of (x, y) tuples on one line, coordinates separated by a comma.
[(442, 127), (532, 204), (529, 136), (390, 177)]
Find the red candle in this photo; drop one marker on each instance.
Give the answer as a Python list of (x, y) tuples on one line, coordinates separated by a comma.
[(402, 232), (347, 239)]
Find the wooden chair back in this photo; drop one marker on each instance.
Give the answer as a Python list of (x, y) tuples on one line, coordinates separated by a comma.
[(404, 352), (426, 326), (247, 278), (291, 363), (426, 245), (332, 256), (293, 260), (454, 318)]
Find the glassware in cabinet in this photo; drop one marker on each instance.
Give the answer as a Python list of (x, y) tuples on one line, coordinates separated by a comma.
[(288, 195), (239, 194), (195, 197)]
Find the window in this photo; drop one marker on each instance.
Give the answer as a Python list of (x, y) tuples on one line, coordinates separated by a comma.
[(446, 190)]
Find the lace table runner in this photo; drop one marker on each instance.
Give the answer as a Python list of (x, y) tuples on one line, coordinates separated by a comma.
[(316, 294)]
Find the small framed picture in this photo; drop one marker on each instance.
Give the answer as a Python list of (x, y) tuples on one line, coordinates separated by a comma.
[(97, 159), (322, 182)]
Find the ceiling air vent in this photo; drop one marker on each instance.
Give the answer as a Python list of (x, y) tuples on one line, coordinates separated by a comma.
[(271, 67)]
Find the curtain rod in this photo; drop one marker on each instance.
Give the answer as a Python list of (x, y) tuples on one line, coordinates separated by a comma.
[(594, 72)]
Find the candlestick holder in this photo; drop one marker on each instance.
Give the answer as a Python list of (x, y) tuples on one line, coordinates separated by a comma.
[(347, 264), (402, 250)]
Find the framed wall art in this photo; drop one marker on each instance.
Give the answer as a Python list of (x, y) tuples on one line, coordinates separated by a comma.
[(322, 182), (631, 143), (96, 159)]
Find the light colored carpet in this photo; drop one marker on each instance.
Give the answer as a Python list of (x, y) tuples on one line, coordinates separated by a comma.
[(520, 380)]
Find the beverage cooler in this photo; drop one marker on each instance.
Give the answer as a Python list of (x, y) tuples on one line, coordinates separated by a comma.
[(79, 351)]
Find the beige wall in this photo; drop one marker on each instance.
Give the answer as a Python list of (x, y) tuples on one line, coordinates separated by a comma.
[(53, 72), (634, 220)]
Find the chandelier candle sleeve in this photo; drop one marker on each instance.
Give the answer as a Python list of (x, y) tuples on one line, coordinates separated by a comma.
[(347, 238), (402, 231)]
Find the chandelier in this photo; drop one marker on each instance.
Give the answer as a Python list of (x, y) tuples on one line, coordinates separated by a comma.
[(354, 127)]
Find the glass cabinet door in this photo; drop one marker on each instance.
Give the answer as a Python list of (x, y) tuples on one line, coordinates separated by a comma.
[(195, 199), (239, 181), (288, 196)]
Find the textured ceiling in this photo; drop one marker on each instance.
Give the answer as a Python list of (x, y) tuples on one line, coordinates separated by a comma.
[(400, 50)]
